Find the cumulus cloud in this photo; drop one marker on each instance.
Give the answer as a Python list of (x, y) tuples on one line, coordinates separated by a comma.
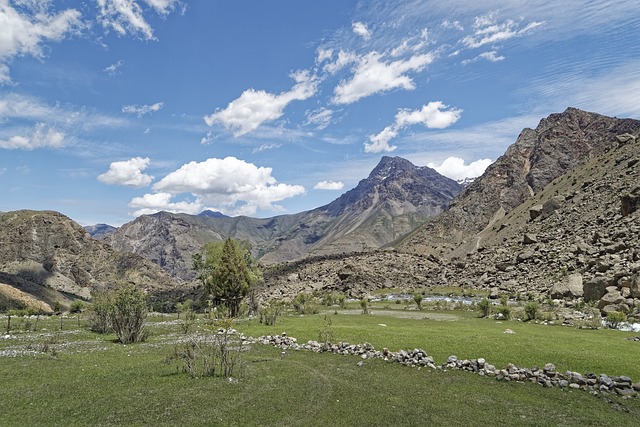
[(24, 30), (373, 75), (128, 173), (320, 118), (488, 30), (329, 185), (41, 137), (228, 185), (255, 107), (455, 168), (434, 115), (360, 28), (141, 110), (127, 16)]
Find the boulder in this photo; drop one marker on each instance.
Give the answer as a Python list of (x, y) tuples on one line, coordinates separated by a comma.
[(571, 287), (550, 206), (596, 288), (635, 286), (529, 239), (535, 212), (525, 255), (611, 298), (630, 202)]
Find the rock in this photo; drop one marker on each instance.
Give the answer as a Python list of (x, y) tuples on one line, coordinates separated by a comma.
[(625, 138), (611, 298), (535, 212), (630, 202), (550, 206), (525, 255), (571, 287), (635, 286), (529, 239), (595, 288)]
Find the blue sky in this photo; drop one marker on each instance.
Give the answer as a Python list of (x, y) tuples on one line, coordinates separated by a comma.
[(114, 108)]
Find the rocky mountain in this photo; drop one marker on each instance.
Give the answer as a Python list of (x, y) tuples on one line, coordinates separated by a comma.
[(395, 198), (48, 257), (575, 240), (99, 231), (559, 143)]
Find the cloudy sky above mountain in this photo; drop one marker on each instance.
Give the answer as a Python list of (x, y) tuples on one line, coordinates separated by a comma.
[(111, 109)]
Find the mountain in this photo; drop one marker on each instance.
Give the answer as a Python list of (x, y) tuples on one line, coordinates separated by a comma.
[(212, 214), (395, 198), (51, 258), (575, 240), (559, 143), (99, 231)]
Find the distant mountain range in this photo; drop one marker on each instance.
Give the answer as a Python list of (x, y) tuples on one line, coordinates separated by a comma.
[(395, 198)]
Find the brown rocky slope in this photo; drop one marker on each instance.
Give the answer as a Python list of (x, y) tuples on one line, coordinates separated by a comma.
[(48, 256)]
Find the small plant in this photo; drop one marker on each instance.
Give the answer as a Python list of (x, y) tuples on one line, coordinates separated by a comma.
[(531, 310), (100, 312), (484, 307), (417, 297), (269, 315), (77, 306), (614, 319), (504, 312), (326, 333), (364, 304)]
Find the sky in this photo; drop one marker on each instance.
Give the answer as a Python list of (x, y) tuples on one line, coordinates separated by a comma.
[(110, 109)]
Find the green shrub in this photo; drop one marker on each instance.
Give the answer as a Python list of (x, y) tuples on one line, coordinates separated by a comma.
[(614, 319), (417, 297), (504, 312), (77, 306), (531, 310), (100, 312), (364, 304), (269, 314), (128, 314), (484, 307), (326, 333)]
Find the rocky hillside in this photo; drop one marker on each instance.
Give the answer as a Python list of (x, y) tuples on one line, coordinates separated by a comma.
[(51, 258), (559, 143), (99, 231), (574, 240), (395, 198)]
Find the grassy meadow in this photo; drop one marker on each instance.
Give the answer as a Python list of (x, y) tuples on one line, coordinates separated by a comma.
[(75, 377)]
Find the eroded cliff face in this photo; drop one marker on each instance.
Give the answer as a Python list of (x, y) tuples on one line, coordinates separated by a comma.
[(558, 144), (50, 250)]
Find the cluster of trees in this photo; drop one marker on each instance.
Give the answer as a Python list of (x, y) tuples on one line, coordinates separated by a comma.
[(228, 272)]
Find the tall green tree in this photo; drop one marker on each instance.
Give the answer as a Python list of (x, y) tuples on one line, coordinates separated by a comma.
[(227, 271)]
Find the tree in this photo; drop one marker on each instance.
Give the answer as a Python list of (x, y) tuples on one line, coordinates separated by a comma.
[(227, 271)]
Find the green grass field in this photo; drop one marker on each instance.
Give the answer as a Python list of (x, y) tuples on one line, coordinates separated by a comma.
[(88, 379)]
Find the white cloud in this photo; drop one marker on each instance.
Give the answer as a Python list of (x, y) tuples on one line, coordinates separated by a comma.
[(255, 107), (360, 28), (455, 168), (320, 118), (141, 110), (41, 137), (489, 30), (128, 173), (434, 115), (228, 185), (491, 56), (373, 75), (26, 28), (207, 139), (114, 69), (152, 203), (456, 25), (265, 147), (127, 16), (329, 185)]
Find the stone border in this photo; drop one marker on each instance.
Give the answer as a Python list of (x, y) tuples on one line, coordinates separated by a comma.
[(546, 377)]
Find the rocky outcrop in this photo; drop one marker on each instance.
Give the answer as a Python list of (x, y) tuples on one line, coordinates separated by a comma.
[(557, 145), (42, 249)]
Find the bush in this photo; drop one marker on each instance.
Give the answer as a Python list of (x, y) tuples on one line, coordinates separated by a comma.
[(504, 312), (100, 312), (364, 304), (269, 315), (531, 310), (417, 297), (484, 307), (128, 314), (77, 306), (326, 333), (303, 304), (614, 319)]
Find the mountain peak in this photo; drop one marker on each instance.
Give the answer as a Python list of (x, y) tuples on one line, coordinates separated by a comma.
[(212, 214)]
